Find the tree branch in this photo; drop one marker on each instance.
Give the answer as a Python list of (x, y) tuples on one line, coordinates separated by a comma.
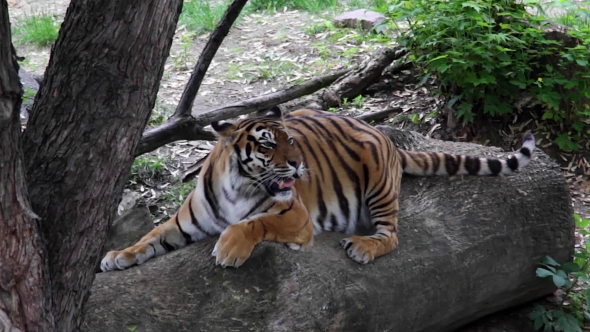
[(188, 127), (267, 101), (215, 39)]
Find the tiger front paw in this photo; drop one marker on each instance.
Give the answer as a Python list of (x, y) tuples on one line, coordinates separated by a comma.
[(123, 259), (233, 248), (363, 249)]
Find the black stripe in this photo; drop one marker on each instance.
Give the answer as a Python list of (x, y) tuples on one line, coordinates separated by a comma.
[(451, 164), (256, 206), (333, 222), (372, 147), (167, 246), (227, 195), (195, 221), (153, 248), (321, 126), (249, 124), (369, 198), (187, 238), (435, 161), (287, 209), (472, 165), (404, 161), (495, 166), (342, 200), (321, 203), (366, 177), (512, 163), (383, 223), (311, 150), (381, 206), (526, 152)]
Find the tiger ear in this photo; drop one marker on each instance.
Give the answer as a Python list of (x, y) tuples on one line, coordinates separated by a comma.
[(223, 128), (274, 113)]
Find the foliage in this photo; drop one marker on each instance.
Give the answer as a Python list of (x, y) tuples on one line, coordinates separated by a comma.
[(28, 94), (486, 52), (200, 16), (573, 277), (177, 192), (147, 167), (40, 30)]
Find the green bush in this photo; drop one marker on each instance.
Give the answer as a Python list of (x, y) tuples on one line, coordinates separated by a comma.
[(39, 29), (201, 16), (573, 277), (485, 52)]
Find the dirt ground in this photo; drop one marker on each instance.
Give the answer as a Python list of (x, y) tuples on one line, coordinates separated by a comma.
[(266, 52)]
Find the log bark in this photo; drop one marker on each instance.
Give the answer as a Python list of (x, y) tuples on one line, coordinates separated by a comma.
[(469, 246), (25, 301), (99, 89)]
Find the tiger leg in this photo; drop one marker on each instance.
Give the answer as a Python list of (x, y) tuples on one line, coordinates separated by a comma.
[(287, 223), (180, 230), (383, 207)]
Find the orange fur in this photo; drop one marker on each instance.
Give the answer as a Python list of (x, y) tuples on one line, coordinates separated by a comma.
[(346, 174)]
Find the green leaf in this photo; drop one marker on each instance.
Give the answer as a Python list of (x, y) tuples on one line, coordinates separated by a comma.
[(471, 4), (543, 273), (568, 323), (547, 116), (538, 323), (570, 267), (588, 298), (558, 280), (550, 261), (581, 62)]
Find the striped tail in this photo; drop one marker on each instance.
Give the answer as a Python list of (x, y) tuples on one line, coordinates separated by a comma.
[(434, 163)]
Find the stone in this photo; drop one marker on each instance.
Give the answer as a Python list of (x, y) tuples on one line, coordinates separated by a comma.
[(360, 18)]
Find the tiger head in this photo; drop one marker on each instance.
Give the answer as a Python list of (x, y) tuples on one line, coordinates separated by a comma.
[(263, 153)]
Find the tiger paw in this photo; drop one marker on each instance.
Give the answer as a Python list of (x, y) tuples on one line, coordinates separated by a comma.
[(361, 249), (232, 248), (121, 260)]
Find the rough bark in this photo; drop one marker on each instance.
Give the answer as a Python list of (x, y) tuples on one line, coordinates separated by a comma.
[(99, 88), (469, 246), (24, 288)]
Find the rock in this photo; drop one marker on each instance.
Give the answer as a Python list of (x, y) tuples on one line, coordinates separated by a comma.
[(360, 18), (30, 88), (129, 228), (469, 246), (129, 200)]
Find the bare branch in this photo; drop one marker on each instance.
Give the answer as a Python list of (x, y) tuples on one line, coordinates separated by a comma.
[(267, 101), (188, 127), (215, 39), (352, 84)]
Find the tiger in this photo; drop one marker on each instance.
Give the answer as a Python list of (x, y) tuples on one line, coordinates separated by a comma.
[(286, 178)]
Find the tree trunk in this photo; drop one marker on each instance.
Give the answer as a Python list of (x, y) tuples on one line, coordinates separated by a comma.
[(99, 88), (469, 246), (25, 300)]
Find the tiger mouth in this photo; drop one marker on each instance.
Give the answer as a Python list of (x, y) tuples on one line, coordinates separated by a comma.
[(281, 185)]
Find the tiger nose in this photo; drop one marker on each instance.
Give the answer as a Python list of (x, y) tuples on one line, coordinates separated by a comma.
[(293, 163)]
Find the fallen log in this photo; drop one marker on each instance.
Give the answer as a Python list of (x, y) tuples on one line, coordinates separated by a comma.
[(469, 246)]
